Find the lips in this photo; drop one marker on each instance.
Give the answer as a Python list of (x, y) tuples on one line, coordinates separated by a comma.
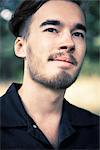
[(64, 59)]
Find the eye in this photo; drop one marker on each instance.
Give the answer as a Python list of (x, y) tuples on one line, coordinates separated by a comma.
[(78, 34), (52, 30)]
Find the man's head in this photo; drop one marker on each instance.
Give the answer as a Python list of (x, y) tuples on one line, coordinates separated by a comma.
[(51, 38)]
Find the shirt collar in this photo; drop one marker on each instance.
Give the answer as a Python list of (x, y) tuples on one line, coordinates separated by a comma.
[(13, 113)]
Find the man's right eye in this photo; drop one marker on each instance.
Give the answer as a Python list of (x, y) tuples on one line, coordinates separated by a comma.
[(52, 30)]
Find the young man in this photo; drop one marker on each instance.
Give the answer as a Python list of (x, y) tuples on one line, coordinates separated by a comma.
[(50, 37)]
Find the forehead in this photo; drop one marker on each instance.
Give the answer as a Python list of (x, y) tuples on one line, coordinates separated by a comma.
[(63, 10)]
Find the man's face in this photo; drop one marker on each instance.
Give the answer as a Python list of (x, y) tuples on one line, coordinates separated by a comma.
[(56, 44)]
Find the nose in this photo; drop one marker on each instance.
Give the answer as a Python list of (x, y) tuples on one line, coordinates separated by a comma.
[(67, 43)]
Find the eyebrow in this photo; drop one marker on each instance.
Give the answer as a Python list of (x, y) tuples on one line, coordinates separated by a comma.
[(80, 27), (58, 23), (51, 22)]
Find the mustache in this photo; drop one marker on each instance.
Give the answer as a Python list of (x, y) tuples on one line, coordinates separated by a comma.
[(63, 54)]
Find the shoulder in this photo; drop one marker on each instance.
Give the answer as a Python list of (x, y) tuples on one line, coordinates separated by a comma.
[(5, 99), (10, 94), (81, 116), (9, 103)]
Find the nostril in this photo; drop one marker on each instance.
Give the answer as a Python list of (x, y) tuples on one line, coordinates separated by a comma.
[(64, 47), (72, 49), (68, 49)]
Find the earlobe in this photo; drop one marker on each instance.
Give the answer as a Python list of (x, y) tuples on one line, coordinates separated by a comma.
[(20, 50)]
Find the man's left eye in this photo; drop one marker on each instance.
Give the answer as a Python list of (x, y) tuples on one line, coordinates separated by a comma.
[(78, 34)]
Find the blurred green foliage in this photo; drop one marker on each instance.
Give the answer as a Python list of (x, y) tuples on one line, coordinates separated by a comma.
[(11, 67)]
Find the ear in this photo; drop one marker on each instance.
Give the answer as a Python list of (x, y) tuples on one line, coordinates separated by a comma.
[(20, 47)]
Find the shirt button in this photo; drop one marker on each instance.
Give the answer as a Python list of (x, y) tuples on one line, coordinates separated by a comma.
[(34, 126)]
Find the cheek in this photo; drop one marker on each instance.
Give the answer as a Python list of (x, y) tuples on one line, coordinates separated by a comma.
[(47, 45), (36, 56), (43, 45), (80, 50)]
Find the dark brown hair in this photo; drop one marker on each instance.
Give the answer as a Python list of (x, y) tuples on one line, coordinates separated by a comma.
[(21, 18)]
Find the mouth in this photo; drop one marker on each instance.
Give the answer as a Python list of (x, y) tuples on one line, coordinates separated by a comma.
[(63, 59), (67, 60)]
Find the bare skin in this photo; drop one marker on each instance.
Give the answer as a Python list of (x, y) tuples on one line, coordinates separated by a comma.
[(47, 115), (42, 103)]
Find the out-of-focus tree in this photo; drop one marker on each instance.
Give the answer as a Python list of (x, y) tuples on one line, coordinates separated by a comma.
[(91, 64), (93, 27), (11, 66)]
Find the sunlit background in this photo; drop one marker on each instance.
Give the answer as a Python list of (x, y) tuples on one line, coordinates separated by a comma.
[(85, 92)]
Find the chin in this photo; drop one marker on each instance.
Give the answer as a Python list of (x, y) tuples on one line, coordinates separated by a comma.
[(60, 81)]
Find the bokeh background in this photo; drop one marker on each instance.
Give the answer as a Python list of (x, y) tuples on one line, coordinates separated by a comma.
[(85, 91)]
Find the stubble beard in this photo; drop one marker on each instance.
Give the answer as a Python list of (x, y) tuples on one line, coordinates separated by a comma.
[(62, 80)]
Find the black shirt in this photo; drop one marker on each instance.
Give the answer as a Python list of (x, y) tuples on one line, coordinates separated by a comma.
[(79, 129)]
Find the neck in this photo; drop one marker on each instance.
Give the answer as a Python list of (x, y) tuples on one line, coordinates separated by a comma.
[(39, 99)]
